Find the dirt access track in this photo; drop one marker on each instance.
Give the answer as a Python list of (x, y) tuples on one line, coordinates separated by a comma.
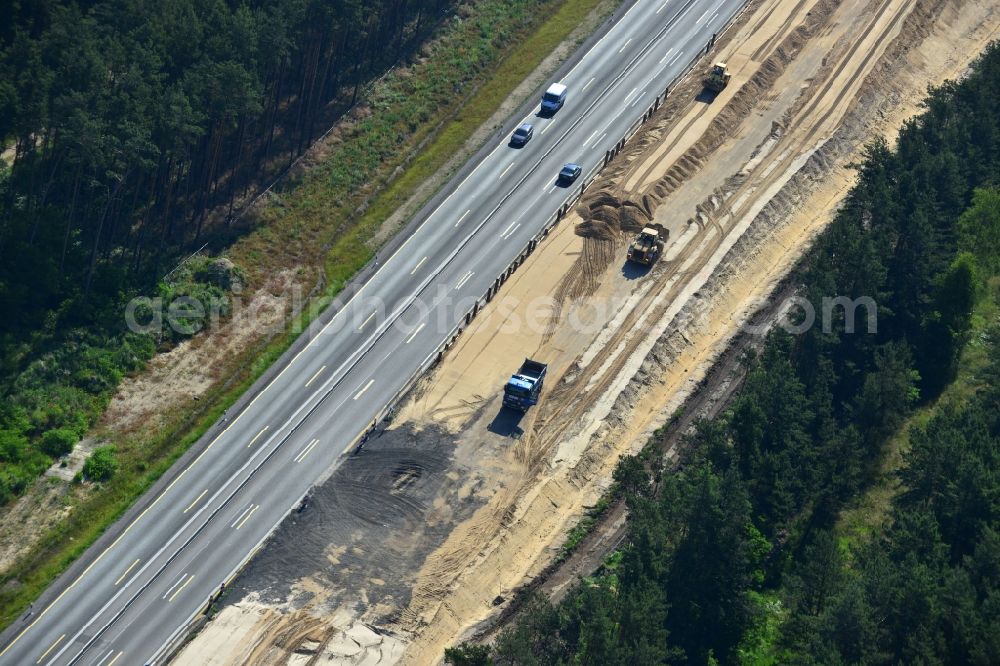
[(422, 536)]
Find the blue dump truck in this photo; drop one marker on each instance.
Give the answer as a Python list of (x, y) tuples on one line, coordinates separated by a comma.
[(524, 386)]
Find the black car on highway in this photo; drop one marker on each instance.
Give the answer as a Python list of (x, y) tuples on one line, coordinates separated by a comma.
[(522, 135), (570, 172)]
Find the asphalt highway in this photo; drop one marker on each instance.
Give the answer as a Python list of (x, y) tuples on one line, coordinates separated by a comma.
[(141, 592)]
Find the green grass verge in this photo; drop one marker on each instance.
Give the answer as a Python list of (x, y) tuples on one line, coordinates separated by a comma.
[(64, 543), (353, 251)]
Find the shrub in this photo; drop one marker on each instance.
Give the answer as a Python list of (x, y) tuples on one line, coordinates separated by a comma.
[(13, 446), (101, 465), (58, 442)]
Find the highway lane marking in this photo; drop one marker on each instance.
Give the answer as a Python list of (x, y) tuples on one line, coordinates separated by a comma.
[(485, 160), (598, 143), (464, 279), (305, 451), (171, 589), (504, 172), (245, 519), (546, 128), (51, 648), (662, 7), (110, 663), (504, 232), (698, 22), (414, 334), (627, 42), (257, 436), (620, 22), (587, 85), (181, 588), (242, 513), (666, 55), (638, 97), (419, 264), (464, 215), (713, 16), (313, 378), (132, 566), (367, 386), (508, 235), (675, 58), (367, 320), (628, 98), (587, 142)]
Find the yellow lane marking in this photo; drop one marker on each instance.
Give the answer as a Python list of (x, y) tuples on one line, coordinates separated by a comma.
[(51, 648), (367, 386), (257, 436), (117, 657), (419, 264), (196, 500), (240, 517), (366, 321), (130, 567), (178, 590), (246, 518), (313, 378)]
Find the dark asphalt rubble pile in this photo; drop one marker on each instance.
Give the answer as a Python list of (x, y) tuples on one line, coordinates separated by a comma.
[(366, 531)]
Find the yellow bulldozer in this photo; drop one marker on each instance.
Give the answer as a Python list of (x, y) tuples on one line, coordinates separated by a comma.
[(718, 78), (647, 246)]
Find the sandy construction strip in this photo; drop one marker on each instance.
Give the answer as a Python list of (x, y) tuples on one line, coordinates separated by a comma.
[(656, 354)]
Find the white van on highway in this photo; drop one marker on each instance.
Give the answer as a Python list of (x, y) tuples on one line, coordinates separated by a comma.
[(553, 98)]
